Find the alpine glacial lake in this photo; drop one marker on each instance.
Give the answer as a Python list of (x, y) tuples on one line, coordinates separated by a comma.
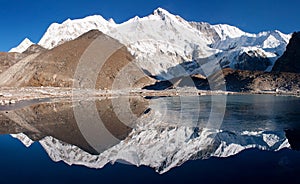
[(199, 139)]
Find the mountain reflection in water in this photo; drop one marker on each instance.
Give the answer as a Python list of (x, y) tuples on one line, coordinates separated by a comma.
[(161, 133)]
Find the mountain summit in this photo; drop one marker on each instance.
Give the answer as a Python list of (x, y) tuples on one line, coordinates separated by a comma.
[(162, 40), (23, 46)]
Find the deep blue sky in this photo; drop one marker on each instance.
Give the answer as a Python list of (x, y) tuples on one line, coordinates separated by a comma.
[(24, 18)]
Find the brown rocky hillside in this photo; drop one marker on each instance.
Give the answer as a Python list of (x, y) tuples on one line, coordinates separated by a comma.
[(56, 67)]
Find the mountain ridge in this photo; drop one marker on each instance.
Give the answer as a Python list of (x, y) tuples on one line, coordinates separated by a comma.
[(162, 40)]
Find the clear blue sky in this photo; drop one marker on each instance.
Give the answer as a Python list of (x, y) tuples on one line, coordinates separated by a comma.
[(25, 18)]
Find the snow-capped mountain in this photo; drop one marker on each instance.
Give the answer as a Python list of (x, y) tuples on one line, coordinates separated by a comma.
[(24, 45), (163, 40), (252, 51)]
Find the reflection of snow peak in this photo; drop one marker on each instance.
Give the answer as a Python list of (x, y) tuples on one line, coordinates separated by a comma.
[(163, 147), (23, 138), (163, 40)]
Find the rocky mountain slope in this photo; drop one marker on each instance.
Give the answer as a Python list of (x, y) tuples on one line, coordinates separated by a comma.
[(9, 59), (57, 67)]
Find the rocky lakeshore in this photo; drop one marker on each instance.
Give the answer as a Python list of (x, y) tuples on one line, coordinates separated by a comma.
[(11, 96)]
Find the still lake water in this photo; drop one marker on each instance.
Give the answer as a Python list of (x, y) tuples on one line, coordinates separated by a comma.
[(228, 139)]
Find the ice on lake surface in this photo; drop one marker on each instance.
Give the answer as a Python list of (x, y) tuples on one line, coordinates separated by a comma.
[(168, 134)]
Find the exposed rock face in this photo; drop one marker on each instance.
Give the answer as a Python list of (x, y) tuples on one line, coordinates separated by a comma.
[(290, 60), (252, 61)]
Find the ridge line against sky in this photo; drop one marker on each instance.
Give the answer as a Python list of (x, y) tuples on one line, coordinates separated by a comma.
[(21, 19)]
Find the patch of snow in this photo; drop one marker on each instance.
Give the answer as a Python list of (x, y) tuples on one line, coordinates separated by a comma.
[(23, 46)]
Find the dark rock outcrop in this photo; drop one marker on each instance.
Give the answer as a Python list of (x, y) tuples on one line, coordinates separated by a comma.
[(290, 60), (236, 81), (293, 136), (252, 61)]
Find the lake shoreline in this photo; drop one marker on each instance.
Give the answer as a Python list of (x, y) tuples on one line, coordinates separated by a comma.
[(12, 95)]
